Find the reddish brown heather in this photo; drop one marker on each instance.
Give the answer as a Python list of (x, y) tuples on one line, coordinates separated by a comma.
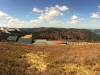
[(56, 59)]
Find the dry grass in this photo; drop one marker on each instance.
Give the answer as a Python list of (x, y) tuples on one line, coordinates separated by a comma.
[(27, 36), (21, 59)]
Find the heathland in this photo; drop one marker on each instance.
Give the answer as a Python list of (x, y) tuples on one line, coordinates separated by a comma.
[(22, 59)]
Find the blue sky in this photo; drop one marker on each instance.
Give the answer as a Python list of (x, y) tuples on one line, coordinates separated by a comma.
[(50, 13)]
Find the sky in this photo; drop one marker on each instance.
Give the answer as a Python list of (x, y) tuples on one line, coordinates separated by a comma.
[(50, 13)]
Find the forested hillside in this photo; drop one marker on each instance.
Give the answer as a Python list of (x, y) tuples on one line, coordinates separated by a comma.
[(69, 34), (55, 34)]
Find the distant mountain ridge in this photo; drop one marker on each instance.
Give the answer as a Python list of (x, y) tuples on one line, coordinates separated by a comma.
[(97, 31), (51, 33), (38, 29), (69, 34)]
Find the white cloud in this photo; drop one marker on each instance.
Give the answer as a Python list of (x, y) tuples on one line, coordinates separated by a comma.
[(3, 15), (61, 8), (75, 20), (74, 17), (93, 20), (37, 10), (53, 13), (9, 17), (54, 22), (4, 20), (9, 21), (50, 13), (13, 20), (44, 17), (95, 15), (99, 6), (23, 22), (34, 21)]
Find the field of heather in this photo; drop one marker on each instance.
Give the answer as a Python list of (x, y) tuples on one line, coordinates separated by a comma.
[(21, 59)]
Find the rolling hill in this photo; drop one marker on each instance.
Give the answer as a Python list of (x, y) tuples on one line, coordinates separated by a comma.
[(56, 33), (69, 34)]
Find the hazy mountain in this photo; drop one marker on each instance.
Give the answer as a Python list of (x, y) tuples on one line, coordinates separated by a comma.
[(97, 31)]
